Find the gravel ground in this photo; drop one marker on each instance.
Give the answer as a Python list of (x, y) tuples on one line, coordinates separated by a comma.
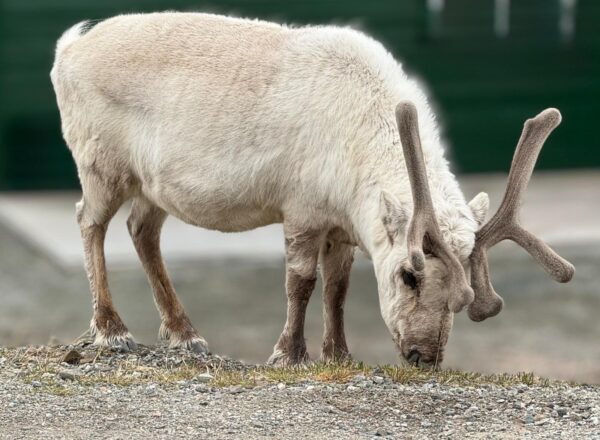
[(81, 392)]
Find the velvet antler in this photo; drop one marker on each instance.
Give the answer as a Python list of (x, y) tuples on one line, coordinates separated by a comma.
[(423, 227), (505, 223)]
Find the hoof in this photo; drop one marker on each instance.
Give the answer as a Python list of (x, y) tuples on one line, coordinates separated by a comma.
[(185, 337), (335, 351), (196, 345), (282, 359), (123, 343), (336, 358)]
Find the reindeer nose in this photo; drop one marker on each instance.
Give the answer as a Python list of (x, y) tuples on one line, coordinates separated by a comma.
[(413, 357)]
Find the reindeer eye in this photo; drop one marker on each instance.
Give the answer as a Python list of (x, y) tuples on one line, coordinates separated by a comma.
[(409, 279)]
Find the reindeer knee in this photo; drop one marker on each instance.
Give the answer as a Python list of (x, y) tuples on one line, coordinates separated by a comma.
[(79, 207), (134, 228), (144, 223)]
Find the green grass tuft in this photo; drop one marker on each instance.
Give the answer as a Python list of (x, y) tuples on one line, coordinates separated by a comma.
[(43, 365)]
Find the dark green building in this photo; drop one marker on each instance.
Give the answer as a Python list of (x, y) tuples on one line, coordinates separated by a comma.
[(488, 64)]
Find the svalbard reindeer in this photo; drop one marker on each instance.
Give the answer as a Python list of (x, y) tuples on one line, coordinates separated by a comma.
[(232, 124)]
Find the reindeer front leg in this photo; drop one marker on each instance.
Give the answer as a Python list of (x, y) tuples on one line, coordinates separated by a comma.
[(302, 254), (336, 263)]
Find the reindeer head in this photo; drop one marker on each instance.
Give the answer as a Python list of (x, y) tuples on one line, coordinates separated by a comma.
[(423, 280)]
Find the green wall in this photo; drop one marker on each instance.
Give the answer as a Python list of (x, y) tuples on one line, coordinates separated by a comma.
[(484, 85)]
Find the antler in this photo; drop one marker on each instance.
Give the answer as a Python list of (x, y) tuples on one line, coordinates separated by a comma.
[(423, 225), (505, 224)]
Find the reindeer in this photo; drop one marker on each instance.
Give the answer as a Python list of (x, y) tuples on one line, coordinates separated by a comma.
[(232, 124)]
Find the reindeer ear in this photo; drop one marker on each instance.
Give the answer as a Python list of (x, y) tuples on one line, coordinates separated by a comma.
[(480, 205), (393, 215)]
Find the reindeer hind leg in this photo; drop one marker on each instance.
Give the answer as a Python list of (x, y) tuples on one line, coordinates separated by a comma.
[(145, 224)]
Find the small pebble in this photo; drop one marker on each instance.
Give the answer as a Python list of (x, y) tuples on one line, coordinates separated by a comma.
[(70, 374), (204, 377), (72, 357), (237, 389), (382, 432)]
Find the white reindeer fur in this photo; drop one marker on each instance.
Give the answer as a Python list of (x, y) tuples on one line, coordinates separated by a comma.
[(231, 124)]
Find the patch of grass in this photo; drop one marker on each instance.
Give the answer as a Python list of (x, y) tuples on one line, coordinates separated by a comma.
[(43, 366), (344, 372), (413, 375), (224, 379), (319, 372), (262, 375)]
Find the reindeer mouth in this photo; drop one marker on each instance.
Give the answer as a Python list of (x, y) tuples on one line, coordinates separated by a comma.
[(419, 357), (430, 358), (416, 359)]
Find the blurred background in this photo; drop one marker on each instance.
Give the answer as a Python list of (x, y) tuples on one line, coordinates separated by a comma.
[(487, 64)]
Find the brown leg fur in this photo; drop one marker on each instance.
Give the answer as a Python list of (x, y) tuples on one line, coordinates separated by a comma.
[(302, 253), (144, 224), (336, 262)]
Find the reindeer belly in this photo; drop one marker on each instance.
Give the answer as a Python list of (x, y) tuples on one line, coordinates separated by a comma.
[(225, 206), (232, 219)]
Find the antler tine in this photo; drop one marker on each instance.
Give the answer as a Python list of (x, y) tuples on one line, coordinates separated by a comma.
[(505, 223), (423, 224)]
